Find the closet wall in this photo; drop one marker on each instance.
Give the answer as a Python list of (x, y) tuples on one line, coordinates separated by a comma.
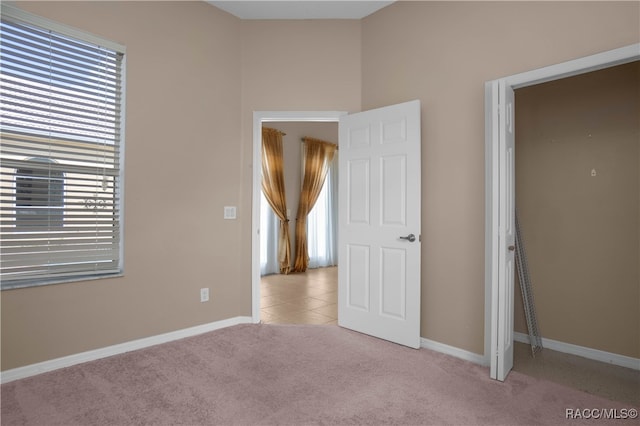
[(578, 195)]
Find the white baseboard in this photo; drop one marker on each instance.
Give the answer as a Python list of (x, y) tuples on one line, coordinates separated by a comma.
[(67, 361), (453, 351), (594, 354)]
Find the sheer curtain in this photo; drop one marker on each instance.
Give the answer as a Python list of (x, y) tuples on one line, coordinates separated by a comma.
[(269, 225), (322, 222)]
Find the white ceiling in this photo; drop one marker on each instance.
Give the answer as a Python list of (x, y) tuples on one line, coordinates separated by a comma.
[(300, 9)]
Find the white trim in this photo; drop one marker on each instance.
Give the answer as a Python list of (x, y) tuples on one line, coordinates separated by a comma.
[(123, 151), (550, 73), (491, 222), (260, 117), (589, 353), (584, 65), (453, 351), (68, 361), (285, 116), (12, 11)]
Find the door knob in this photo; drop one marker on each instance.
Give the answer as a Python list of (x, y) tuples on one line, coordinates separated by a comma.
[(511, 248), (411, 238)]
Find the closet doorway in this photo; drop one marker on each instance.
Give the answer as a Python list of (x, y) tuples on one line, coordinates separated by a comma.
[(309, 297), (577, 162), (499, 290)]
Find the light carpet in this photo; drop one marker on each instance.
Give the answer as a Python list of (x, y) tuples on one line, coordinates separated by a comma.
[(256, 374)]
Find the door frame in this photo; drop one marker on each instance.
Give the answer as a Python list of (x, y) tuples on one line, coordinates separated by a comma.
[(493, 196), (260, 117)]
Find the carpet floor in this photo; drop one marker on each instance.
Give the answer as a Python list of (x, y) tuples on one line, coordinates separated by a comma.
[(254, 374)]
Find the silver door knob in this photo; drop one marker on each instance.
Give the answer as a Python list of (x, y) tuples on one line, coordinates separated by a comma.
[(511, 248), (411, 238)]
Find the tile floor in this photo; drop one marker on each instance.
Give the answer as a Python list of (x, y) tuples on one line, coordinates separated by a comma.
[(312, 298), (300, 298)]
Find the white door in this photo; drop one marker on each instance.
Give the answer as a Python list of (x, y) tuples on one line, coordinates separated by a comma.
[(379, 224), (503, 287)]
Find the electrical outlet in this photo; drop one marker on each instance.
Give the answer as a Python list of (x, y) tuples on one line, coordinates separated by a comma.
[(204, 294)]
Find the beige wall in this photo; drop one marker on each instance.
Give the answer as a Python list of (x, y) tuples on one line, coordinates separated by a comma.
[(194, 77), (292, 147), (442, 53), (293, 66), (182, 168), (581, 231)]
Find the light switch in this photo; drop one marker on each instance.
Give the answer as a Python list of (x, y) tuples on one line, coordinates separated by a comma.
[(229, 212)]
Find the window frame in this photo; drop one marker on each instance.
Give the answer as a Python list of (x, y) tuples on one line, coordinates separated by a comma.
[(14, 14)]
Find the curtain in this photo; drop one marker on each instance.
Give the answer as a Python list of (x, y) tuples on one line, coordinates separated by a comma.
[(316, 159), (273, 189), (322, 222)]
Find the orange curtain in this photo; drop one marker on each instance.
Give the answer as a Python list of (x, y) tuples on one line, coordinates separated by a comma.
[(317, 157), (273, 189)]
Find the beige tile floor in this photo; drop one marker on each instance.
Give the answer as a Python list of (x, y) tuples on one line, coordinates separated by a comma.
[(300, 298)]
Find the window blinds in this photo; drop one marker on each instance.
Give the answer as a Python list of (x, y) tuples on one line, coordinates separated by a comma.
[(60, 156)]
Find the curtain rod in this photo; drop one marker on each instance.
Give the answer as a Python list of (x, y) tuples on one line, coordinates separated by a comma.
[(274, 130), (304, 138)]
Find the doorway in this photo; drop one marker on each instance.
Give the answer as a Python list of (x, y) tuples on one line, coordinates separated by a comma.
[(261, 118), (577, 196), (308, 297), (499, 178), (379, 278)]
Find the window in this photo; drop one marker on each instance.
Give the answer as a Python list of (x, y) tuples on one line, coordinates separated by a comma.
[(322, 222), (61, 152), (269, 225), (39, 195)]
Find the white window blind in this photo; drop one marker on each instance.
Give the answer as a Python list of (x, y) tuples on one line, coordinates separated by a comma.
[(60, 153)]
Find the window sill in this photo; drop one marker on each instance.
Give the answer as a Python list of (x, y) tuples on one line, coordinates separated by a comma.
[(40, 283)]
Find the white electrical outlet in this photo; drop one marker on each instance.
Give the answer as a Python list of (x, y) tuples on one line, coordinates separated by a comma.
[(204, 294)]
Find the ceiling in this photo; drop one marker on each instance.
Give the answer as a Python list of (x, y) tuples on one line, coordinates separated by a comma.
[(300, 9)]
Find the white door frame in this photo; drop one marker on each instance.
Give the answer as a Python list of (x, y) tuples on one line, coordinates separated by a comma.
[(260, 117), (492, 189)]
